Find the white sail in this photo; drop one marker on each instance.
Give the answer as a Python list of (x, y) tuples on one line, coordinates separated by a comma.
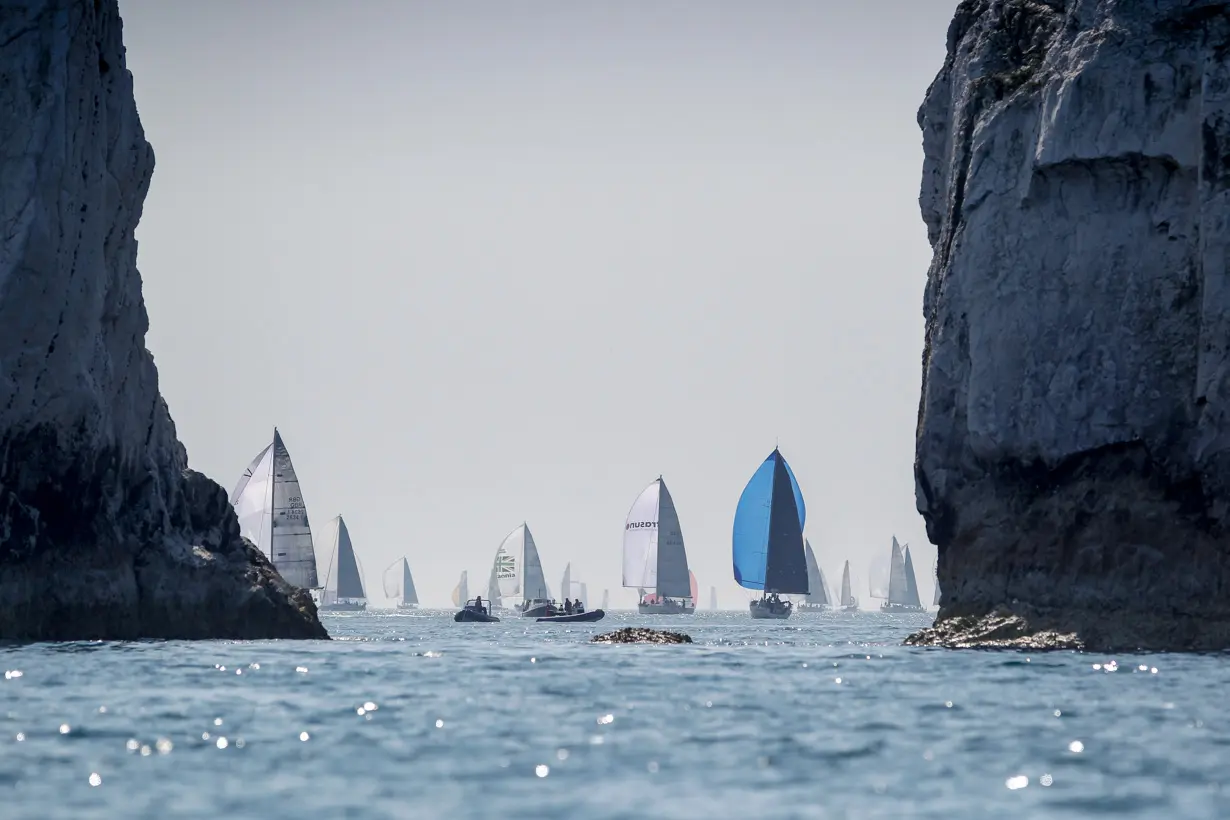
[(847, 593), (507, 564), (461, 592), (493, 585), (535, 580), (269, 504), (344, 578), (606, 599), (897, 584), (654, 554), (713, 598), (817, 591), (565, 586)]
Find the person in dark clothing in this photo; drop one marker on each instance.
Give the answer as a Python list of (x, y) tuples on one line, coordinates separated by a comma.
[(478, 603), (567, 606)]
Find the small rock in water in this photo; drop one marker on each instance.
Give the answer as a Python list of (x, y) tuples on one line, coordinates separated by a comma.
[(631, 634)]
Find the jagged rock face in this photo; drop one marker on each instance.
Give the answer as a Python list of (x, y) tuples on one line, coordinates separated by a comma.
[(104, 532), (1073, 445)]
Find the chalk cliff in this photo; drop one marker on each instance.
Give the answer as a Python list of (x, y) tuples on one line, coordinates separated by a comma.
[(1073, 441), (104, 532)]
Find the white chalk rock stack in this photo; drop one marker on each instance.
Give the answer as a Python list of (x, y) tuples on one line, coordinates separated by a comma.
[(1073, 445), (104, 532)]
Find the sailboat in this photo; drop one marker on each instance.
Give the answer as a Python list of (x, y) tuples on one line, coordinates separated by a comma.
[(817, 598), (713, 598), (574, 590), (272, 514), (495, 600), (399, 585), (606, 599), (518, 571), (936, 602), (654, 555), (847, 601), (343, 590), (767, 543), (461, 592), (902, 588)]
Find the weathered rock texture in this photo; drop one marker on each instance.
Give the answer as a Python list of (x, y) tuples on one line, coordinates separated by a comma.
[(104, 533), (1073, 447), (630, 634)]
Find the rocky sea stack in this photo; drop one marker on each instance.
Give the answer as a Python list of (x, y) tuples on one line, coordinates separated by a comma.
[(1073, 444), (630, 634), (104, 532)]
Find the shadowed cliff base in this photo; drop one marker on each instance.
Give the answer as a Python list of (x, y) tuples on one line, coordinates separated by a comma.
[(1073, 442), (104, 531)]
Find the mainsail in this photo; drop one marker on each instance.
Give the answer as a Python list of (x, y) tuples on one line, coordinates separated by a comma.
[(817, 590), (397, 582), (606, 599), (269, 505), (344, 580), (461, 592), (654, 554), (847, 594), (767, 544), (911, 582), (898, 586), (518, 568)]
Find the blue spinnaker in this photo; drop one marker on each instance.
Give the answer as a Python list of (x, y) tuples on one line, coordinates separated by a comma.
[(752, 519)]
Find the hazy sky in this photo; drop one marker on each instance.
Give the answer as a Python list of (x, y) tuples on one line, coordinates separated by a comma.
[(487, 262)]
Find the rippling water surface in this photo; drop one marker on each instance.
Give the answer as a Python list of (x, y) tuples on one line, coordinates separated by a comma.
[(412, 715)]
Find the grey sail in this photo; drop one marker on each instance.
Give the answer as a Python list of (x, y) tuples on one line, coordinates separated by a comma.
[(535, 580), (817, 593), (936, 602), (713, 598), (606, 599), (824, 585), (673, 578), (785, 562), (493, 585), (898, 589), (565, 585), (911, 581), (291, 541), (344, 580), (847, 594), (409, 594)]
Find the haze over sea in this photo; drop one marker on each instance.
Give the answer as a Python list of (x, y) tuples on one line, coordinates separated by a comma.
[(412, 715)]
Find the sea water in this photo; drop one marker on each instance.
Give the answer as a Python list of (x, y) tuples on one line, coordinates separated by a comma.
[(413, 715)]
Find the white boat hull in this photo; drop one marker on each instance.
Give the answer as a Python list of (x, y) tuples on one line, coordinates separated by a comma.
[(887, 607), (667, 608), (407, 606), (762, 611), (343, 607)]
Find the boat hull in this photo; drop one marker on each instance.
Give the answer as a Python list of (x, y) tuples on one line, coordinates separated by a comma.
[(887, 607), (850, 608), (805, 607), (407, 606), (473, 616), (582, 617), (343, 607), (668, 608), (763, 612), (539, 610)]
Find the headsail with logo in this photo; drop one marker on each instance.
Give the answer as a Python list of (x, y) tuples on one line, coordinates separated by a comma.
[(272, 515), (654, 557), (518, 569)]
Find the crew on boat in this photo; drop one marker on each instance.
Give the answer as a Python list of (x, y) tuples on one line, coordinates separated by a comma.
[(478, 604), (567, 606)]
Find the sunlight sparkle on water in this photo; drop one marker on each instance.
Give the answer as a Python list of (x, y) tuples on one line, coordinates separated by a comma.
[(1019, 781), (95, 779), (542, 770), (1076, 747)]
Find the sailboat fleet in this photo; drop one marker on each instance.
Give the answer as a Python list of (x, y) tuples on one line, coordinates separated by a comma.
[(770, 555)]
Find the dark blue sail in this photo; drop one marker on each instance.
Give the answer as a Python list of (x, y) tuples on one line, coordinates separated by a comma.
[(768, 532)]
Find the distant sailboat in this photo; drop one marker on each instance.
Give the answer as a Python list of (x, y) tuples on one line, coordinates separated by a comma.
[(817, 597), (495, 600), (713, 598), (654, 556), (398, 584), (461, 592), (606, 599), (519, 573), (847, 601), (936, 602), (767, 544), (272, 514), (902, 587), (573, 590), (343, 591)]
